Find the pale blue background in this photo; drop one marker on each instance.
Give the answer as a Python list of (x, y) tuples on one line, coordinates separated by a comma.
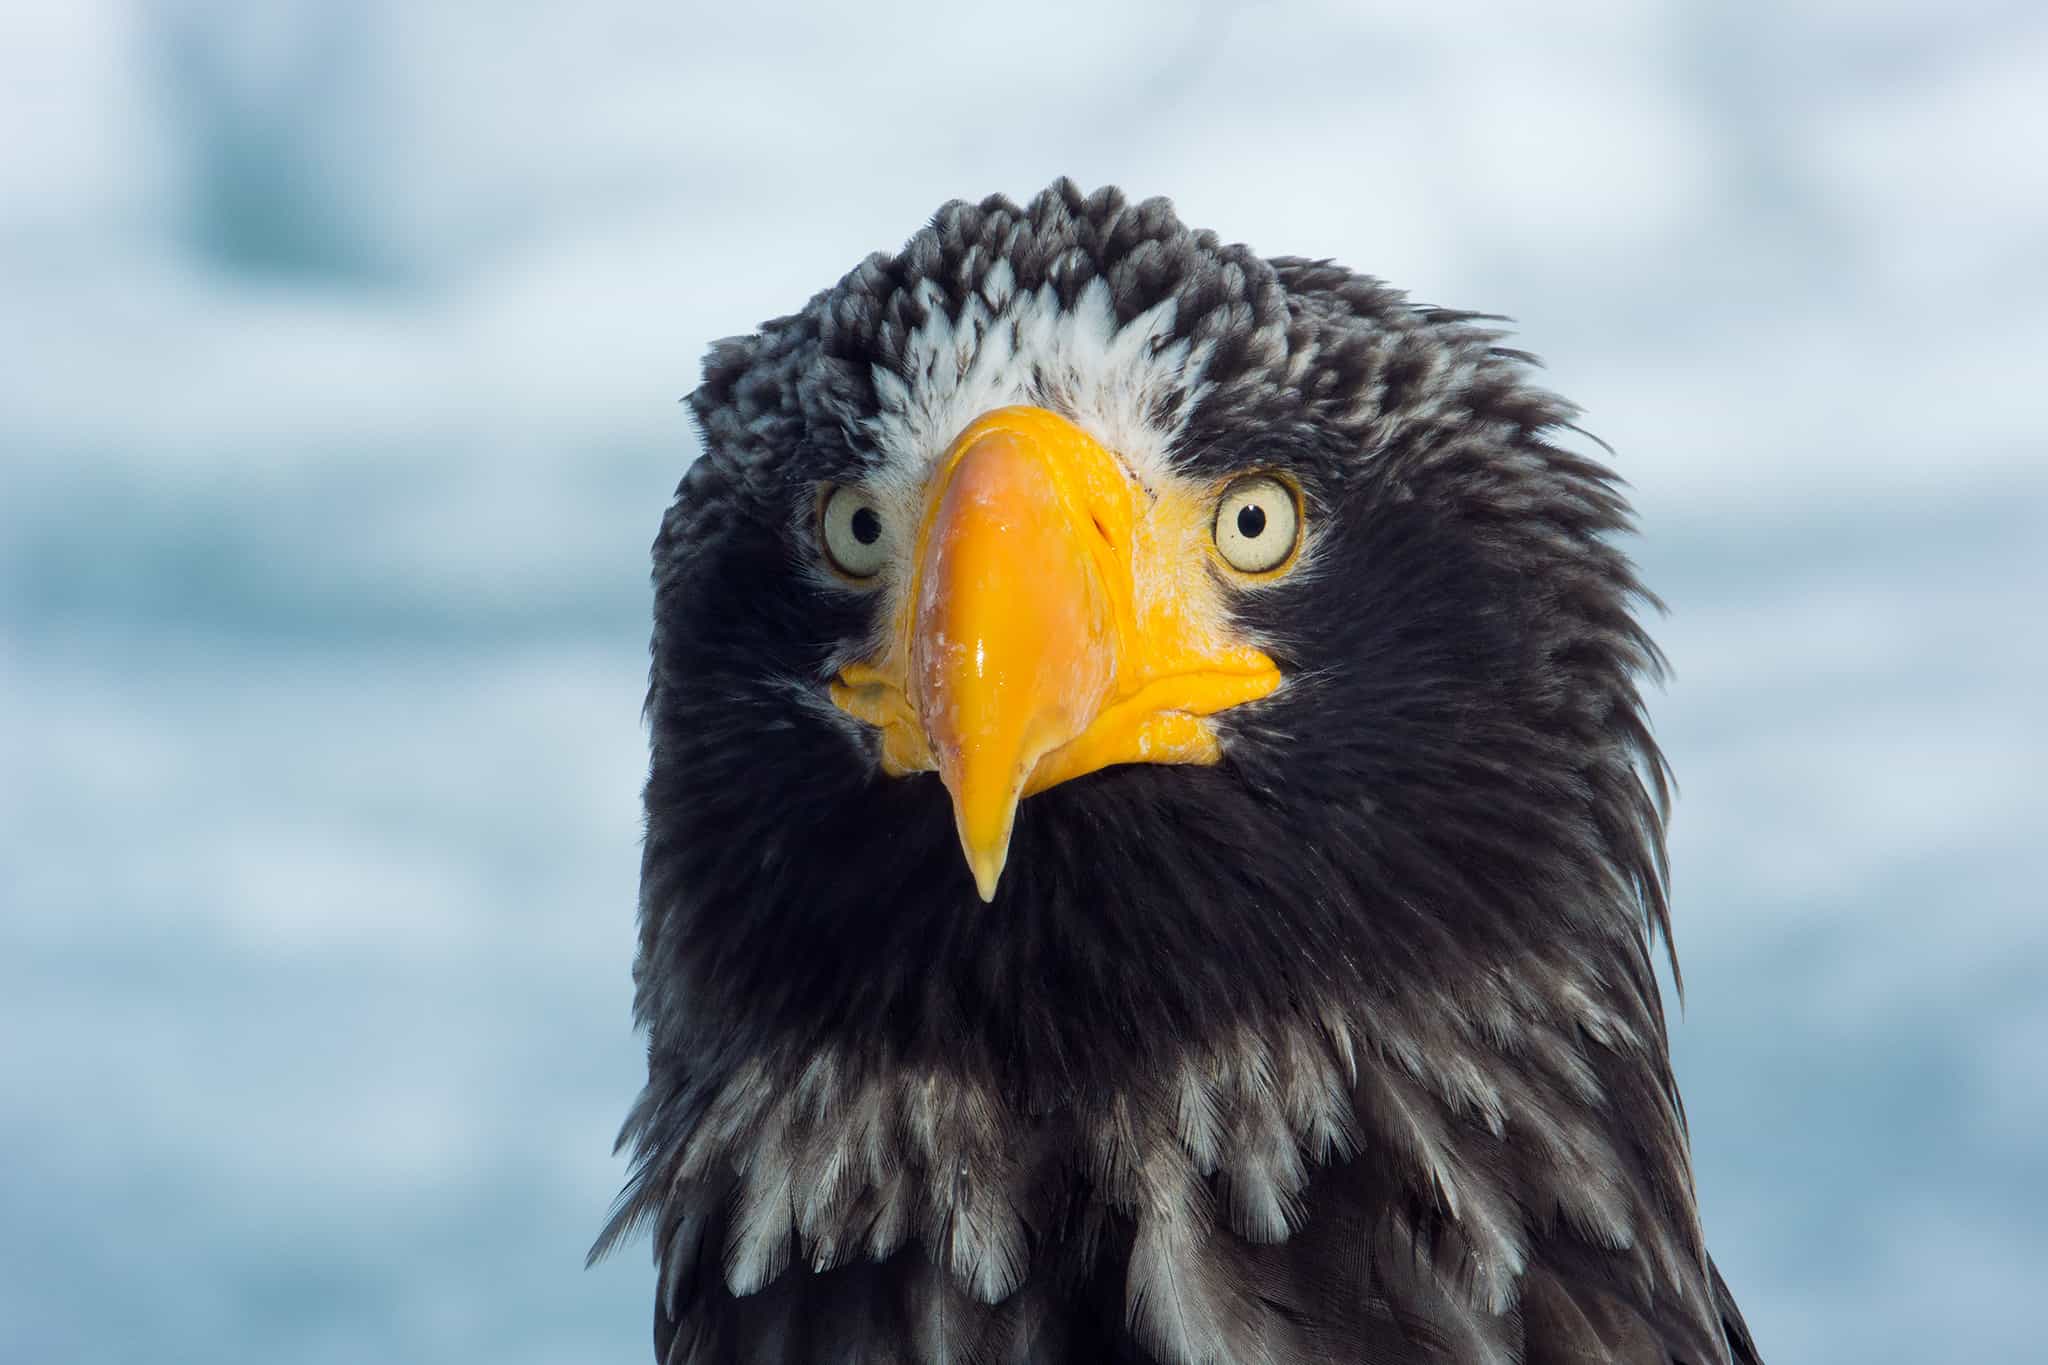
[(339, 351)]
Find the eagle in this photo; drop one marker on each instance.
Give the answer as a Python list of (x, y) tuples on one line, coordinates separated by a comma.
[(1154, 847)]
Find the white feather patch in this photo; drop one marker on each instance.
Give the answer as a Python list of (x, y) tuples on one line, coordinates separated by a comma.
[(1129, 386)]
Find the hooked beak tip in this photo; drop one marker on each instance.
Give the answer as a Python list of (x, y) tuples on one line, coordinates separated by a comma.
[(988, 868), (985, 839)]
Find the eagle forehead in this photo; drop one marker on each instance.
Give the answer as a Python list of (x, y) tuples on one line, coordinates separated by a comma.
[(1129, 384), (1114, 314)]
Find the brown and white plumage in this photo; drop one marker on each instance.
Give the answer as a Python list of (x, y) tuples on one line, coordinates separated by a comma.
[(1334, 1037)]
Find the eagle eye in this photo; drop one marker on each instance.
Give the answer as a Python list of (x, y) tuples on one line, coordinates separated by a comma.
[(855, 535), (1258, 522)]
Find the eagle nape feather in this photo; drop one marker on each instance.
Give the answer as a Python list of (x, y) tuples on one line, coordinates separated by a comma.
[(1154, 842)]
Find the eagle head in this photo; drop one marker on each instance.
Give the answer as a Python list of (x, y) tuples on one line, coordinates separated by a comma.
[(1153, 841)]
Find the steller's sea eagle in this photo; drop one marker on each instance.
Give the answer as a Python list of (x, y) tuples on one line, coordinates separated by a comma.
[(1153, 843)]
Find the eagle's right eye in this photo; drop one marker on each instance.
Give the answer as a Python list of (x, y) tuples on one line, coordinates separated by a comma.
[(856, 538)]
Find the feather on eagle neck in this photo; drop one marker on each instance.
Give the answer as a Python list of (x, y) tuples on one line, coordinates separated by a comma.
[(827, 1157)]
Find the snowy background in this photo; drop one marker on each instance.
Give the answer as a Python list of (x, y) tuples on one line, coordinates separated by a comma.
[(340, 345)]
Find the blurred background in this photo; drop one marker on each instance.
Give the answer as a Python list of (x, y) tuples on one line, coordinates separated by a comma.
[(340, 344)]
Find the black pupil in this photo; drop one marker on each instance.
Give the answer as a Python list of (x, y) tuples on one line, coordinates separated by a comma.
[(1251, 520), (867, 527)]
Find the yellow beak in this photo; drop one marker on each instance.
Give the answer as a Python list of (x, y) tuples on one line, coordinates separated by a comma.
[(1028, 651)]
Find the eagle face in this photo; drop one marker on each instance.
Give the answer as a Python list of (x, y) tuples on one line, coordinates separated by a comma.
[(1152, 834)]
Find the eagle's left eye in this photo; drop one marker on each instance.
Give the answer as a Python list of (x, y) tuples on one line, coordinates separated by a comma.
[(1257, 524), (855, 536)]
